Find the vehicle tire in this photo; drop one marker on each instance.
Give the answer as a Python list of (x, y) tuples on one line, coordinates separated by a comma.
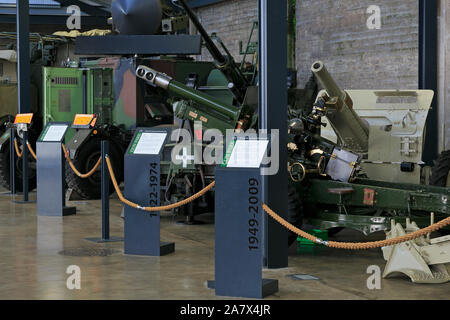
[(4, 171), (85, 159), (334, 231), (295, 213), (440, 170)]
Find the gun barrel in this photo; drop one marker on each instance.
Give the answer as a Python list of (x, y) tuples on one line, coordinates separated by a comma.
[(333, 90), (176, 88), (225, 63), (347, 124), (210, 45)]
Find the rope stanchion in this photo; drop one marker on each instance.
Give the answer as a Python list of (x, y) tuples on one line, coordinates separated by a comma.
[(78, 173), (18, 152), (153, 209), (360, 245)]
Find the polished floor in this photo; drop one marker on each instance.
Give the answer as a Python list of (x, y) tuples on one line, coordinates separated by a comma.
[(35, 253)]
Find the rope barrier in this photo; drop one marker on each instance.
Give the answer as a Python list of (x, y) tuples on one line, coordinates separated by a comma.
[(360, 245), (153, 209), (33, 154), (19, 154), (75, 170), (332, 244)]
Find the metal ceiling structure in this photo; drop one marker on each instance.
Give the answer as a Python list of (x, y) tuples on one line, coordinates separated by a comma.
[(94, 12), (52, 12)]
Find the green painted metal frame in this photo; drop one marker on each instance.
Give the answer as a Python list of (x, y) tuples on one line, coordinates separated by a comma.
[(392, 201)]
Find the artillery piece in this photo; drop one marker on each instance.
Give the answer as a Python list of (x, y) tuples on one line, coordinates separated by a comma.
[(386, 127), (351, 131)]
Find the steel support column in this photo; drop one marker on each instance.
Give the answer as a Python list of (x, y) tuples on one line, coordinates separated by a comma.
[(23, 59), (272, 115), (428, 69)]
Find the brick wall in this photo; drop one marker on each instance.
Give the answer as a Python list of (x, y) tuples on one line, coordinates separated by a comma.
[(336, 32), (232, 21)]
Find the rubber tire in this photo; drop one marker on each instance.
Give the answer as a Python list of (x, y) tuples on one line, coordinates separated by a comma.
[(90, 188), (4, 172), (334, 231), (440, 170), (295, 213)]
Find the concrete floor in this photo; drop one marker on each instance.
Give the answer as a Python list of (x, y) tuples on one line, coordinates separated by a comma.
[(31, 266)]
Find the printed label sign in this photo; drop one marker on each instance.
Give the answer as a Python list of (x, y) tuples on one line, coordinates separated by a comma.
[(247, 154), (148, 143), (54, 133), (25, 118), (83, 119)]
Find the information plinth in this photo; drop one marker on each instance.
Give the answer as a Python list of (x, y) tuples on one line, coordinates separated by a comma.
[(142, 186), (239, 225), (50, 165)]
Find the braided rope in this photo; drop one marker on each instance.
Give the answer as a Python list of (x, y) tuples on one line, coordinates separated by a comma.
[(75, 170), (18, 152), (153, 209), (361, 245), (33, 154)]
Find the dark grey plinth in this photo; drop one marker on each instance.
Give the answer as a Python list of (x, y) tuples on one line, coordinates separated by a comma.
[(50, 166), (238, 257)]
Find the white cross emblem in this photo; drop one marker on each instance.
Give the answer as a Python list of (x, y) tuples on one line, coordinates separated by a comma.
[(185, 157)]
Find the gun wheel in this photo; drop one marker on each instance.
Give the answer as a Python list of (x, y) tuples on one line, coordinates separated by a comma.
[(87, 156), (5, 173), (440, 172)]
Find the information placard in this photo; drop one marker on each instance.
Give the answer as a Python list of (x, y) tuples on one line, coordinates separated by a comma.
[(247, 153), (84, 120), (148, 143), (54, 133), (23, 118)]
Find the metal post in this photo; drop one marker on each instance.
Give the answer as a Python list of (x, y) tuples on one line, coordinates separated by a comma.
[(25, 166), (105, 191), (272, 115), (428, 71), (23, 58), (12, 161), (105, 198)]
